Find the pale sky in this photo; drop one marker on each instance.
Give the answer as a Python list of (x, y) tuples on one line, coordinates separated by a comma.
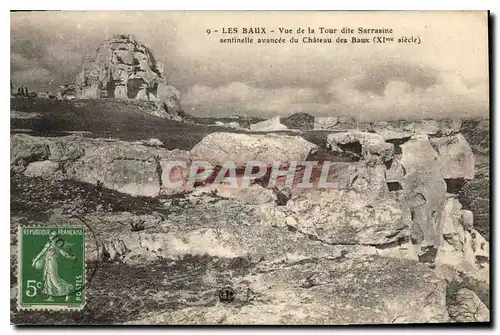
[(446, 75)]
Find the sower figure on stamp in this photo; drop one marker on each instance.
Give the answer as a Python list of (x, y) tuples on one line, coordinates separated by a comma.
[(53, 284)]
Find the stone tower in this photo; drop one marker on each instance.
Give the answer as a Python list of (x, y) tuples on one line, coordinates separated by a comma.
[(126, 69)]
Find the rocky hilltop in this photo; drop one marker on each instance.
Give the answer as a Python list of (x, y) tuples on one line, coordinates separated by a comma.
[(126, 69)]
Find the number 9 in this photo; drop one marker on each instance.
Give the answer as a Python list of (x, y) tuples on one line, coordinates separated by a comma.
[(208, 31)]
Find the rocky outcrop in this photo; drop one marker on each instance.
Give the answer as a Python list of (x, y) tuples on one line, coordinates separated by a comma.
[(273, 124), (302, 121), (371, 147), (340, 292), (424, 189), (390, 211), (132, 168), (467, 307), (348, 218), (334, 123), (126, 69)]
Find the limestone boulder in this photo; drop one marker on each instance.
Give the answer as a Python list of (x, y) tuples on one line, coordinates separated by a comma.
[(370, 180), (348, 217), (325, 122), (219, 148), (456, 159), (43, 169), (424, 189), (121, 166), (134, 168), (273, 124), (25, 149), (395, 171)]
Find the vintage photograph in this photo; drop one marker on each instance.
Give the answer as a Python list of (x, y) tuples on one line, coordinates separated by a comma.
[(249, 167)]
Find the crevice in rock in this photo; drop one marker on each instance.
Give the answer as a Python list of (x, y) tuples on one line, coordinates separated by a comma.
[(428, 254), (481, 259), (393, 244), (388, 164), (131, 159), (394, 186), (454, 185), (282, 196), (353, 148), (397, 142), (159, 170)]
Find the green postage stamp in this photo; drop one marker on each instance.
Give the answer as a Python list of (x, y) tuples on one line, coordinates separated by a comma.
[(51, 268)]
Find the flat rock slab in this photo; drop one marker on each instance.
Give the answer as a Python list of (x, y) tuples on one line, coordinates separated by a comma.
[(368, 290)]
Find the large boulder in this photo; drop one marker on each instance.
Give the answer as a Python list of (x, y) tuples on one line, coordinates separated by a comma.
[(219, 148), (121, 166), (463, 247), (44, 169), (456, 158), (273, 124), (424, 189), (25, 149), (348, 217)]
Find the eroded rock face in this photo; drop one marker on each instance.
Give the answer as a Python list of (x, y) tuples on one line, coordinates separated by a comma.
[(128, 167), (348, 217), (455, 159), (424, 189), (126, 69), (393, 130), (44, 169), (467, 307), (371, 147)]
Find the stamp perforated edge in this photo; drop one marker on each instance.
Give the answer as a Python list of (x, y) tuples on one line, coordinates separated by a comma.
[(43, 307)]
